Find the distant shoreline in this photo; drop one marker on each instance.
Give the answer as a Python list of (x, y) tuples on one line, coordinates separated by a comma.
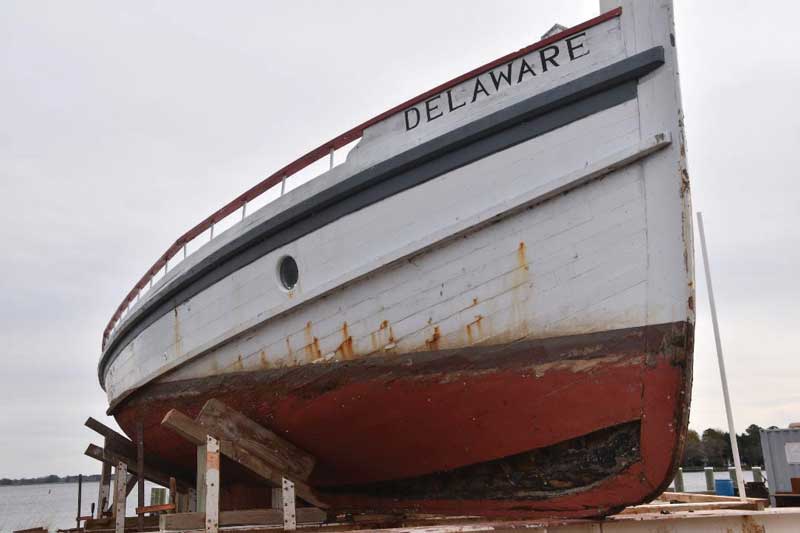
[(46, 480)]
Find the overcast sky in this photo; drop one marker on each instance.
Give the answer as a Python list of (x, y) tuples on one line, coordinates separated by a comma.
[(122, 125)]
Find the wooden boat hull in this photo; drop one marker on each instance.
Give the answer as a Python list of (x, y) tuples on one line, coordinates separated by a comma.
[(574, 426), (491, 302)]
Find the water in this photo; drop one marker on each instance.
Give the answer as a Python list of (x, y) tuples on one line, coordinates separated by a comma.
[(52, 505)]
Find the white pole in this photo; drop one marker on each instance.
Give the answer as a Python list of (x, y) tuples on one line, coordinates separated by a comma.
[(731, 430)]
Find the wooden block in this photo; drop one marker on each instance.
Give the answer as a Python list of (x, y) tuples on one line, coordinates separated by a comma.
[(249, 517), (229, 424), (155, 508)]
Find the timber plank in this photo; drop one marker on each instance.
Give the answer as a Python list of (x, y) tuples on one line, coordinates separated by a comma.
[(113, 457), (254, 517), (255, 438), (196, 434)]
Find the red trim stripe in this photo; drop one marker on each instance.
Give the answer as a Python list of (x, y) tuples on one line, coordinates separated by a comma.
[(321, 151)]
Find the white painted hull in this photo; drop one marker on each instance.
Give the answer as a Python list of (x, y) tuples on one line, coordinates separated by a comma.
[(540, 259)]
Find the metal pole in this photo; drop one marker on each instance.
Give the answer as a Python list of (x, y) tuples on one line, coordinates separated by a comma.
[(283, 184), (244, 210), (731, 429), (331, 164)]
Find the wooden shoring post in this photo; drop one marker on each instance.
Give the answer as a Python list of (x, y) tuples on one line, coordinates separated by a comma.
[(119, 497), (277, 497), (80, 494), (212, 485), (192, 496), (104, 492), (173, 492), (112, 456), (117, 447), (140, 473), (289, 513), (200, 490)]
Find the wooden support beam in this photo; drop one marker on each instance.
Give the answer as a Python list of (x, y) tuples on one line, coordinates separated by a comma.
[(249, 517), (693, 497), (289, 514), (694, 506), (121, 445), (195, 433), (173, 492), (104, 493), (151, 473), (141, 511), (120, 497), (229, 424), (200, 492), (140, 472), (212, 485)]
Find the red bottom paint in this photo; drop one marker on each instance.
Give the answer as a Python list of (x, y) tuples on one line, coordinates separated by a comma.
[(396, 417)]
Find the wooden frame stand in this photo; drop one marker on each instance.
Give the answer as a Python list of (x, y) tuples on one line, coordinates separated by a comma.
[(219, 430)]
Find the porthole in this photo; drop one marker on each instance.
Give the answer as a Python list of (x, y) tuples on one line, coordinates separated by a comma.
[(287, 272)]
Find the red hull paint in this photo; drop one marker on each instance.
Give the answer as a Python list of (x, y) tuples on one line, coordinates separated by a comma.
[(399, 417)]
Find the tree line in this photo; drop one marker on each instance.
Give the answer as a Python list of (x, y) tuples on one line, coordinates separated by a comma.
[(713, 448), (46, 479)]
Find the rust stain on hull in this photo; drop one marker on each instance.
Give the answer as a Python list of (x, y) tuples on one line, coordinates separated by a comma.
[(390, 417)]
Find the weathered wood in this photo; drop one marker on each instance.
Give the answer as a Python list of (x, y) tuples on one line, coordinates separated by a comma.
[(104, 493), (212, 485), (140, 511), (249, 517), (173, 492), (80, 496), (690, 497), (200, 492), (112, 456), (140, 472), (195, 433), (695, 506), (289, 513), (158, 496), (229, 424), (121, 445), (119, 497), (108, 523)]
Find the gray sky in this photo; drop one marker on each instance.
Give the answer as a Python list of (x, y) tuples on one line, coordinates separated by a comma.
[(122, 125)]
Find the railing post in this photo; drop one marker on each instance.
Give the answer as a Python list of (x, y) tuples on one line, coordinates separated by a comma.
[(283, 184), (184, 251), (331, 162), (244, 210), (212, 231), (758, 476)]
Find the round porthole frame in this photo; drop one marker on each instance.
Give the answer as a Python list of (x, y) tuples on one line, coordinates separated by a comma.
[(287, 272)]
